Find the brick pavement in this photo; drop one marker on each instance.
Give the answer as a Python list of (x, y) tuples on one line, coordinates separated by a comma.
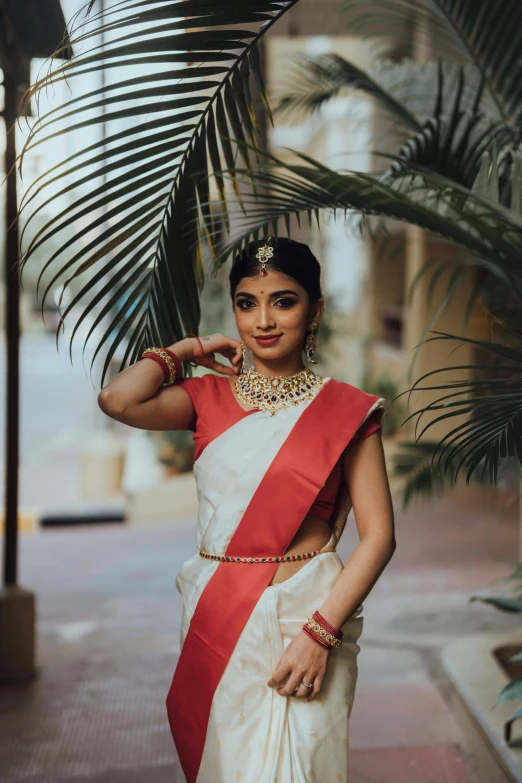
[(108, 617)]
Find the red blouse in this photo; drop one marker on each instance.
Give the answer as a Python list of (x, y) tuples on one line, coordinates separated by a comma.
[(216, 409)]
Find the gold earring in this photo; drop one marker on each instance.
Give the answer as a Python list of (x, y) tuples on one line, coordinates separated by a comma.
[(243, 357), (311, 343)]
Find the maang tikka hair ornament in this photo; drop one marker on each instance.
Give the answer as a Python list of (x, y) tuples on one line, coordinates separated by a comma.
[(263, 255)]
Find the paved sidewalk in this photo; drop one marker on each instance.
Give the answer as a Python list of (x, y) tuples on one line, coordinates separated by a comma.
[(108, 619), (402, 730)]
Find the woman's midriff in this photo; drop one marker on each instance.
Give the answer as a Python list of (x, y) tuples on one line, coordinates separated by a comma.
[(313, 534)]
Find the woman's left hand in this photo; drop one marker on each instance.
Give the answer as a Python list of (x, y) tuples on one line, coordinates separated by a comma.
[(303, 660)]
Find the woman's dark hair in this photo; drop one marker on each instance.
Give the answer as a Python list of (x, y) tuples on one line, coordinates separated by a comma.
[(292, 258)]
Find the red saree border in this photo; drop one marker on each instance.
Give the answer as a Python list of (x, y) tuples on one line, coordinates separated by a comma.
[(267, 527)]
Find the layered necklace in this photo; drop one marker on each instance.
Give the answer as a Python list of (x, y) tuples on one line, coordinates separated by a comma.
[(273, 392)]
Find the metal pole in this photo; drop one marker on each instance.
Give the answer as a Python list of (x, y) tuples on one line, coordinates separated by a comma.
[(12, 328)]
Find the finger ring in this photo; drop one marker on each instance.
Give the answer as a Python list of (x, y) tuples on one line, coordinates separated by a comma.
[(307, 686)]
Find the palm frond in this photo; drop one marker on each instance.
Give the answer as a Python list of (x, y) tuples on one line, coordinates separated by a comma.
[(486, 34), (131, 194), (492, 233), (413, 469), (418, 476), (451, 132), (453, 141), (443, 104), (313, 81), (409, 92), (485, 408)]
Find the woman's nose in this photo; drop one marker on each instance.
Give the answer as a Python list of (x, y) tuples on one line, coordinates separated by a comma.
[(266, 319)]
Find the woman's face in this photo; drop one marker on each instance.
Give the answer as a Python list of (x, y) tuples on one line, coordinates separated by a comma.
[(273, 314)]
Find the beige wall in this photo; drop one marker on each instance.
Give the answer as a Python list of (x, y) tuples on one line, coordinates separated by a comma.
[(312, 17), (417, 314)]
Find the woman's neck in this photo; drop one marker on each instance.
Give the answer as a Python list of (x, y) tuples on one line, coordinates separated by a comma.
[(278, 367)]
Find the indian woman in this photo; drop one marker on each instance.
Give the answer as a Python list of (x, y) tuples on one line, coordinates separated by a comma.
[(265, 682)]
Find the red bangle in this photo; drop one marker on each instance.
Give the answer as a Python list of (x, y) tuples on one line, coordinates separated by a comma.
[(177, 362), (162, 363), (327, 626), (316, 638), (199, 341)]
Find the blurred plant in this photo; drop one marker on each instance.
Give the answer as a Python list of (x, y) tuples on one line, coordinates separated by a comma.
[(483, 35), (417, 476), (513, 605), (175, 449), (413, 468), (386, 387)]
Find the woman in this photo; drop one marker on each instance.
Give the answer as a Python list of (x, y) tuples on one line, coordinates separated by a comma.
[(264, 686)]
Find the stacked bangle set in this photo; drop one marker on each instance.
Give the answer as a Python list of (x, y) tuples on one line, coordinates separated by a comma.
[(320, 630), (168, 361)]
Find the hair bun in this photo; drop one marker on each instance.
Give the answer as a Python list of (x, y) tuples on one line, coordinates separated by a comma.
[(291, 258)]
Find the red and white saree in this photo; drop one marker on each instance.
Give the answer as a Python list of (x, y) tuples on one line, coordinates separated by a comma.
[(255, 482)]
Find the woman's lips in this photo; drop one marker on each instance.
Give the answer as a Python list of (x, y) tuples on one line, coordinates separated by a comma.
[(269, 340)]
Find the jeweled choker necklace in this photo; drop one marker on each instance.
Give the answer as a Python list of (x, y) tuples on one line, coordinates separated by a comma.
[(273, 392)]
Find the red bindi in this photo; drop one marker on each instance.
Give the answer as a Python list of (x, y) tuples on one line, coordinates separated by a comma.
[(262, 292)]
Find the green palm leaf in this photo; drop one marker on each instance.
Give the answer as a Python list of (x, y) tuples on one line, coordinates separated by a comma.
[(511, 692), (509, 723), (418, 476), (413, 468), (486, 410), (440, 102), (486, 34), (492, 232), (313, 81), (136, 253), (510, 605), (453, 140)]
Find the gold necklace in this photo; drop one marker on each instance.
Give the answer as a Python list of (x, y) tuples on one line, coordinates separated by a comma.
[(273, 392)]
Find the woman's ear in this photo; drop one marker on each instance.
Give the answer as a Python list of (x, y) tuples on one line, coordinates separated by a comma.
[(317, 310)]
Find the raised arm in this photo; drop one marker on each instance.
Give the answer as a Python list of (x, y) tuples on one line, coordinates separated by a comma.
[(137, 397)]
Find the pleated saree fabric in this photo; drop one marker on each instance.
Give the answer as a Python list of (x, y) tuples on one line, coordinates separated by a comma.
[(255, 483)]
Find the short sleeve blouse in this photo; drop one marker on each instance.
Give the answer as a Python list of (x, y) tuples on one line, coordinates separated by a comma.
[(216, 409)]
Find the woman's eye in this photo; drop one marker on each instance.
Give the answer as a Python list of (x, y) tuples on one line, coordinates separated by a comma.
[(285, 302), (244, 304)]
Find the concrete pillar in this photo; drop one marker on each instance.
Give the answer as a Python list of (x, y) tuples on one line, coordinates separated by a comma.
[(438, 354), (17, 634), (101, 465)]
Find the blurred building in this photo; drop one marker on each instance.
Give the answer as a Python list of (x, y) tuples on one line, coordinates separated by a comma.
[(375, 327)]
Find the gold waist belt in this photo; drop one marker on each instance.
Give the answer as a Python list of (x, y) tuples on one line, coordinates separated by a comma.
[(283, 559)]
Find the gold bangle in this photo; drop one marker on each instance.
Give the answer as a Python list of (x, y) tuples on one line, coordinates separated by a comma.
[(323, 633), (166, 358)]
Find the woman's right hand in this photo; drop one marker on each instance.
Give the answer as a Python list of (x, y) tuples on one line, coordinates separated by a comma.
[(212, 344)]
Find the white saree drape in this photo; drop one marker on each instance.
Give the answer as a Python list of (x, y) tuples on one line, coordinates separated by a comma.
[(254, 735)]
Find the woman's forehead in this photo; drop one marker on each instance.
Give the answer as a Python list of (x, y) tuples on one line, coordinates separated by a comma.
[(273, 281)]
